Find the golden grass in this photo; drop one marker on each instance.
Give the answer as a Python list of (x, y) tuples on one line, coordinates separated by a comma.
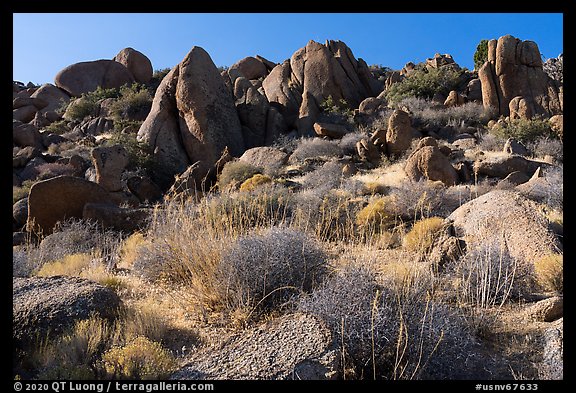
[(70, 265), (255, 181), (129, 250), (423, 233), (550, 272), (375, 214)]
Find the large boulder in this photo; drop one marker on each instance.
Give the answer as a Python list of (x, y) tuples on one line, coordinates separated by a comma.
[(161, 131), (137, 63), (20, 212), (58, 198), (193, 118), (253, 108), (552, 366), (502, 165), (86, 76), (295, 346), (110, 162), (144, 189), (429, 163), (25, 113), (53, 96), (506, 216), (399, 133), (250, 68), (26, 135), (270, 159), (513, 69), (313, 73), (44, 307), (336, 131)]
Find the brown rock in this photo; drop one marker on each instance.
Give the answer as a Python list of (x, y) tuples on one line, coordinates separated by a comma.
[(97, 126), (557, 124), (252, 107), (547, 310), (514, 68), (26, 135), (110, 162), (24, 156), (454, 99), (368, 151), (137, 63), (515, 178), (53, 96), (474, 90), (371, 105), (502, 166), (144, 188), (427, 141), (208, 119), (429, 163), (86, 76), (399, 133), (117, 218), (24, 114), (335, 131), (250, 68), (521, 108), (512, 146), (20, 212), (394, 77), (161, 131), (552, 365), (58, 198)]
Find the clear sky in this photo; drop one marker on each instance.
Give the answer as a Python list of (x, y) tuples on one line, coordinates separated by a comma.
[(45, 43)]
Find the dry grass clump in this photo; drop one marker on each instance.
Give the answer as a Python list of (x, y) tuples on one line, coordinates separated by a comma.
[(70, 265), (550, 272), (375, 217), (255, 181), (130, 250), (236, 172), (139, 359), (423, 233)]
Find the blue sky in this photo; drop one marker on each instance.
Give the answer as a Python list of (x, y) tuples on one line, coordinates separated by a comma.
[(45, 43)]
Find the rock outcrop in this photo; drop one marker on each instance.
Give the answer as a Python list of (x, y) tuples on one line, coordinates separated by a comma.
[(428, 162), (137, 63), (514, 69), (110, 162), (86, 76)]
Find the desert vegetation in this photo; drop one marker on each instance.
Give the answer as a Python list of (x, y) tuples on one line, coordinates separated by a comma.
[(399, 269)]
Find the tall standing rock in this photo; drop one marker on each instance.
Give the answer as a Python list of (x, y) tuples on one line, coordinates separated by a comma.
[(86, 76), (137, 63), (161, 131), (110, 162), (208, 118), (514, 68), (399, 133)]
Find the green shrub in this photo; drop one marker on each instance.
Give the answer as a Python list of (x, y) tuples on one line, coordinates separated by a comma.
[(133, 103), (88, 104), (523, 130), (423, 83), (138, 152), (157, 77), (58, 127), (481, 54), (236, 172)]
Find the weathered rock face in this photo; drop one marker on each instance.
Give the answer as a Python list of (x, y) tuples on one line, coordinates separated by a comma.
[(329, 130), (137, 63), (474, 90), (193, 118), (552, 366), (502, 166), (502, 214), (428, 162), (514, 68), (26, 135), (297, 346), (312, 74), (161, 131), (208, 119), (20, 212), (399, 133), (110, 162), (372, 105), (250, 68), (441, 61), (253, 108), (46, 306), (59, 198), (454, 99), (53, 96), (87, 76), (144, 189)]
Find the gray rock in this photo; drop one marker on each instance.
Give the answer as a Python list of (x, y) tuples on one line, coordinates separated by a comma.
[(502, 166), (512, 146), (547, 310), (270, 159), (46, 306), (296, 346), (118, 218), (110, 162), (20, 212), (552, 366)]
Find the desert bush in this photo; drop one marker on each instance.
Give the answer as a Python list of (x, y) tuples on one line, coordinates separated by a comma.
[(481, 54), (262, 271), (338, 112), (384, 332), (523, 130), (490, 142), (550, 272), (314, 148), (255, 181), (328, 176), (375, 217), (22, 191), (545, 146), (139, 359), (427, 113), (134, 102), (423, 233), (348, 142), (424, 84), (420, 199), (157, 77), (236, 172), (50, 170), (58, 127), (139, 154), (88, 104), (70, 265)]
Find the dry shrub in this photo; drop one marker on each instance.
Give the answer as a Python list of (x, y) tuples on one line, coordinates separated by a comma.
[(550, 272), (129, 250), (423, 233), (314, 148), (375, 218), (326, 177), (70, 265), (140, 359), (236, 172), (255, 181)]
